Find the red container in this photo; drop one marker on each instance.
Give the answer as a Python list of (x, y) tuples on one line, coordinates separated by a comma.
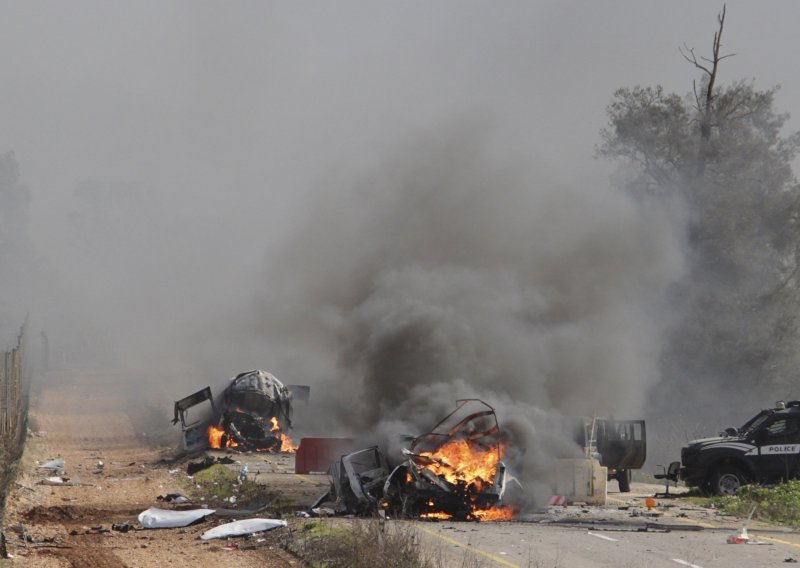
[(316, 454)]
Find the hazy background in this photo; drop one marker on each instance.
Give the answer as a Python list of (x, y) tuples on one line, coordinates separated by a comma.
[(396, 203)]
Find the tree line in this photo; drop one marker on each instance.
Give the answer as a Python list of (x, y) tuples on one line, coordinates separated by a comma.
[(722, 154)]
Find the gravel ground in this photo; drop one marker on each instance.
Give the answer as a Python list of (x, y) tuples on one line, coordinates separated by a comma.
[(86, 419)]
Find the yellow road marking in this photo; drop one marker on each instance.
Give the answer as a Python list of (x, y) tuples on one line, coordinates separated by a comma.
[(474, 549), (698, 523), (779, 541), (303, 478), (616, 500), (756, 536)]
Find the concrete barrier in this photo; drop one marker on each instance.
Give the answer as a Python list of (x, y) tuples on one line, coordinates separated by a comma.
[(583, 480)]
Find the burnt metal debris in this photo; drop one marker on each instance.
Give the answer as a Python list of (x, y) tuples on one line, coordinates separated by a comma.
[(253, 413), (439, 477), (194, 467)]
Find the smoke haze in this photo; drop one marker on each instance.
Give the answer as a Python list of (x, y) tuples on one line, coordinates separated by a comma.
[(452, 271), (396, 204)]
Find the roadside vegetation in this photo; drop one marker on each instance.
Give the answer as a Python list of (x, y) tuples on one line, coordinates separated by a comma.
[(358, 543), (220, 487), (777, 504)]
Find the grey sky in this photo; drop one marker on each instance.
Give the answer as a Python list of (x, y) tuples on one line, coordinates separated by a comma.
[(262, 96), (230, 112)]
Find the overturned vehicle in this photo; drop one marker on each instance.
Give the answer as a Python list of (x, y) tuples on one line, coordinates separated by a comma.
[(455, 471), (254, 413)]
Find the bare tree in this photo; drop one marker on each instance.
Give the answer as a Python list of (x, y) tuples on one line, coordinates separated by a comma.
[(726, 155), (705, 103)]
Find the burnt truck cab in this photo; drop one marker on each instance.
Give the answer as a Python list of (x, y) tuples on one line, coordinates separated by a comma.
[(619, 445), (254, 413), (765, 449)]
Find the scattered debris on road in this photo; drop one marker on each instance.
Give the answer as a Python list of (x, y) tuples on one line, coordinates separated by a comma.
[(56, 466), (207, 462), (155, 518), (173, 498), (243, 527)]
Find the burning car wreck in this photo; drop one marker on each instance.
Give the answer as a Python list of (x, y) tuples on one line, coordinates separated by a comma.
[(455, 471), (254, 414)]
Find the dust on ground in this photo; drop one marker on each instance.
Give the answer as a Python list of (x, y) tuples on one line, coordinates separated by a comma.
[(85, 419)]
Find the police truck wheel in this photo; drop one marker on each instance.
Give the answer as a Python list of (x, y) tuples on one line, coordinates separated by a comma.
[(624, 479), (727, 480)]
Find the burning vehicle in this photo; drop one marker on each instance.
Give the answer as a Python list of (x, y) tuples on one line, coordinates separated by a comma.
[(455, 471), (254, 414)]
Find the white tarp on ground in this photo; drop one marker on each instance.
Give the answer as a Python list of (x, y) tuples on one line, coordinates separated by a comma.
[(155, 518), (243, 527), (53, 464)]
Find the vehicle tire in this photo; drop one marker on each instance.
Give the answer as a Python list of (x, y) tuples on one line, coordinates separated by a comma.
[(727, 480), (624, 479)]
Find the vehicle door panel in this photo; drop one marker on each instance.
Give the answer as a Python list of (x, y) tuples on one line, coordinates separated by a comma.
[(779, 448)]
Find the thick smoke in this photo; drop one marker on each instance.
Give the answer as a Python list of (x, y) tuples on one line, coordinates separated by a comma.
[(450, 272), (18, 265)]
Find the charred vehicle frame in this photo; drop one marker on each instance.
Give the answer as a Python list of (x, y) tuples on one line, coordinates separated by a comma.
[(253, 414), (430, 481)]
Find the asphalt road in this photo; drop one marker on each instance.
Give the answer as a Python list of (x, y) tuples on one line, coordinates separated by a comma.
[(77, 419), (576, 536), (608, 536)]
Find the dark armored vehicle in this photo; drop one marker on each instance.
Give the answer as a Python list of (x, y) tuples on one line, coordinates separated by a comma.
[(619, 445), (765, 449)]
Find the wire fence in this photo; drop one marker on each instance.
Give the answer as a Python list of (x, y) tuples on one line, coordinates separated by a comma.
[(14, 383), (13, 391)]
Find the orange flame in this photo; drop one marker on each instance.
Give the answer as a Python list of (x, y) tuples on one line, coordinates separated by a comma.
[(287, 445), (436, 515), (459, 461), (505, 513), (463, 462), (215, 436)]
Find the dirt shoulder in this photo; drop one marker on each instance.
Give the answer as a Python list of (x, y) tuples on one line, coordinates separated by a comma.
[(85, 420)]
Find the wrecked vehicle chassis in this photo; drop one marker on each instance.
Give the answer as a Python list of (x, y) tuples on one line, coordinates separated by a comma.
[(253, 414), (452, 472)]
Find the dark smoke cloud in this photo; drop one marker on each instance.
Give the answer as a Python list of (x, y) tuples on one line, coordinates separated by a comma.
[(451, 272)]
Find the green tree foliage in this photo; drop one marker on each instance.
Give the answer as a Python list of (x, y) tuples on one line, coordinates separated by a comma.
[(721, 151)]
